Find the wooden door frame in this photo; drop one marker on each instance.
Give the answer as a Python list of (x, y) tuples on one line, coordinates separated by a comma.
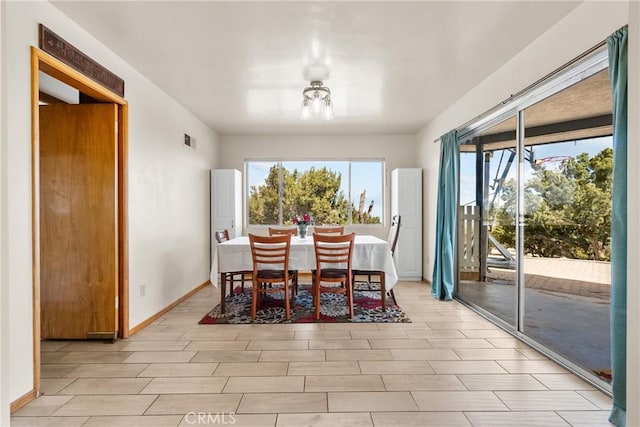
[(41, 61)]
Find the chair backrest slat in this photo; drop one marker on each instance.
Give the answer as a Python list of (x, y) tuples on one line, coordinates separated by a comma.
[(334, 229), (270, 250), (273, 231), (333, 250)]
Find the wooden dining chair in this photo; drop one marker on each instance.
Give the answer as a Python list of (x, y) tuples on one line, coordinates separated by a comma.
[(270, 255), (392, 238), (232, 276), (222, 235), (290, 231), (330, 230), (273, 231), (333, 229), (333, 265)]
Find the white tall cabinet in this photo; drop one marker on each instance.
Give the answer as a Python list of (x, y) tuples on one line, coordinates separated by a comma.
[(226, 203), (406, 200)]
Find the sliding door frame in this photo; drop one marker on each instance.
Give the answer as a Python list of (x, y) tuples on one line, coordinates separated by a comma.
[(587, 65)]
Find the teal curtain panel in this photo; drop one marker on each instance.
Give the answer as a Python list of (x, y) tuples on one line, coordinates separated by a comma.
[(617, 44), (443, 278)]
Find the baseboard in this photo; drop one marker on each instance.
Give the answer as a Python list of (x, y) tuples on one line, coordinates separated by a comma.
[(22, 401), (164, 311)]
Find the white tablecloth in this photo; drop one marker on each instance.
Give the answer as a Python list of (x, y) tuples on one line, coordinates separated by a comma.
[(369, 253)]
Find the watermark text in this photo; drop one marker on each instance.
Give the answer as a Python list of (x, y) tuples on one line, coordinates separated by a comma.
[(211, 418)]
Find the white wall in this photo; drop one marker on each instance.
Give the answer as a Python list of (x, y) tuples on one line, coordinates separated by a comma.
[(589, 24), (4, 289), (169, 219), (168, 185), (398, 151)]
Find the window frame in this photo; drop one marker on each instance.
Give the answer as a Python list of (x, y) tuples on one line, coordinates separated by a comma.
[(349, 161)]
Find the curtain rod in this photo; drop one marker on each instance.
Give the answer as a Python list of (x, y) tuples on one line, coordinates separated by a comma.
[(530, 87)]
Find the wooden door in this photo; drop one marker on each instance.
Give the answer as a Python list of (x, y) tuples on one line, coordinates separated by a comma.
[(78, 221)]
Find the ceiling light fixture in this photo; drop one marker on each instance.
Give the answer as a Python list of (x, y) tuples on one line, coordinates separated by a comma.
[(316, 102)]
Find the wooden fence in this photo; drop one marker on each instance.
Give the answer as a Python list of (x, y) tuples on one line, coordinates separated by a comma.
[(468, 238)]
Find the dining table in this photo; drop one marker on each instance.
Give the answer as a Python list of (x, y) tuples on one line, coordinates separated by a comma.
[(369, 253)]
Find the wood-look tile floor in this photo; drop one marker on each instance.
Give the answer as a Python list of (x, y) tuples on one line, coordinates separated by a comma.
[(450, 367)]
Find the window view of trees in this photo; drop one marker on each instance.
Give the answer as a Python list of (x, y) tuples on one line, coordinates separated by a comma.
[(317, 190), (567, 210)]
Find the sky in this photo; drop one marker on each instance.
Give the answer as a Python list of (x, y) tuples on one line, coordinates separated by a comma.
[(364, 176), (571, 148)]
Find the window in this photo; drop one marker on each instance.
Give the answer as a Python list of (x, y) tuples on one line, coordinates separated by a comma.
[(333, 192)]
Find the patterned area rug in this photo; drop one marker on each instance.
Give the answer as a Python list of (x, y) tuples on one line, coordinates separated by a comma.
[(333, 308)]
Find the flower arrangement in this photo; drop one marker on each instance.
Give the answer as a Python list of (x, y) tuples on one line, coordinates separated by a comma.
[(302, 219)]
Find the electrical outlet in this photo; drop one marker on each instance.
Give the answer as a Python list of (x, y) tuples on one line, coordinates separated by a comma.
[(143, 290)]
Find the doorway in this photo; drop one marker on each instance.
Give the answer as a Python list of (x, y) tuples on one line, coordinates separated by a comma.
[(116, 108)]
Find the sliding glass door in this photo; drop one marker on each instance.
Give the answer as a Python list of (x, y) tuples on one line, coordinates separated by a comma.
[(487, 225), (567, 223), (535, 216)]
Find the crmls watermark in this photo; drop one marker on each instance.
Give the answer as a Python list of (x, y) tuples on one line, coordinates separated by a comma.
[(215, 418)]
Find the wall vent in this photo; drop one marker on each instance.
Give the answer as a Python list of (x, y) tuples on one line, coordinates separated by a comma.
[(189, 141)]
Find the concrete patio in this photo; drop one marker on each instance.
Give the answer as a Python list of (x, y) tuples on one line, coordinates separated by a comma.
[(566, 306)]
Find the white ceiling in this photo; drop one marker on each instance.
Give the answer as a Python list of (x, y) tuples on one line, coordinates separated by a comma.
[(240, 66)]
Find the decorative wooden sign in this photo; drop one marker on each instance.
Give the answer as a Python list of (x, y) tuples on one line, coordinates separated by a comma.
[(58, 47)]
